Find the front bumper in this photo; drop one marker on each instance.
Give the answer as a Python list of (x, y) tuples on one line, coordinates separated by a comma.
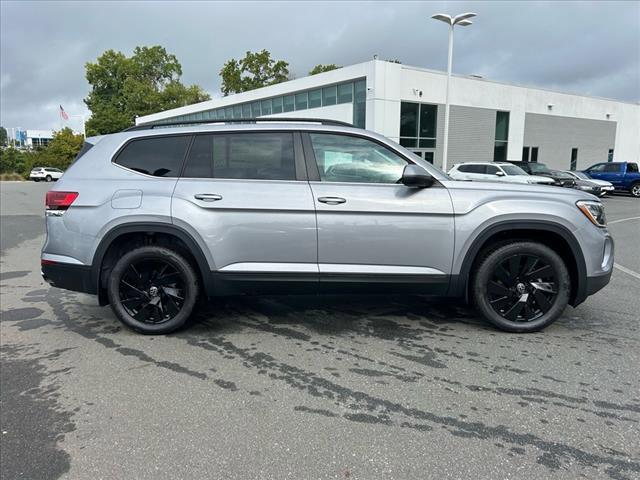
[(598, 282), (77, 278)]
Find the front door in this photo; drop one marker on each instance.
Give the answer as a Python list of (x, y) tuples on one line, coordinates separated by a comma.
[(246, 196), (371, 228)]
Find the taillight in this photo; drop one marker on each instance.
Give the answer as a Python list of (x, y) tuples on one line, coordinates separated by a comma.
[(58, 202)]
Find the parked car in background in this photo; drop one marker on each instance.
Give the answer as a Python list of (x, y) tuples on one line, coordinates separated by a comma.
[(623, 175), (495, 172), (540, 169), (150, 220), (605, 187), (583, 185), (47, 174)]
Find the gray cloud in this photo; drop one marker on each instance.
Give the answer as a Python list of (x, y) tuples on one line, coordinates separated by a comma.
[(583, 47)]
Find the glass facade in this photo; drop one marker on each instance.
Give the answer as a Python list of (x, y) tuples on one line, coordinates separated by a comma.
[(349, 92), (418, 123), (502, 137)]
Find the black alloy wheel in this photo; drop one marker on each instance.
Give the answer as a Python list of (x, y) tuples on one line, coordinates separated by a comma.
[(153, 289), (522, 288)]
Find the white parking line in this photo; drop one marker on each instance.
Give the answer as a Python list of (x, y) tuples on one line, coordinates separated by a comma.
[(623, 220), (626, 270)]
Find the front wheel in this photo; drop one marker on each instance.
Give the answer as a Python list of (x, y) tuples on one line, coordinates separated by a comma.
[(153, 290), (521, 287), (635, 190), (48, 178)]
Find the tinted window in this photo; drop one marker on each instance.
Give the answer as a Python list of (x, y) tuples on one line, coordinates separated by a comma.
[(343, 158), (597, 168), (157, 156), (472, 168), (345, 93), (632, 168), (612, 167), (491, 170), (329, 96), (315, 98), (257, 156)]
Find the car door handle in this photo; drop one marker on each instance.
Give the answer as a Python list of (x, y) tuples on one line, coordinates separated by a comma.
[(331, 200), (208, 197)]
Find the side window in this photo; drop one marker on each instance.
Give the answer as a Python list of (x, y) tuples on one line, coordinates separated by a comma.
[(470, 168), (253, 156), (342, 158), (598, 168), (632, 168), (611, 167), (157, 156), (464, 168), (491, 169)]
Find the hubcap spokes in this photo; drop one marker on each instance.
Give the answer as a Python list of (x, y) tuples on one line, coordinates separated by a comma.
[(522, 288), (152, 291)]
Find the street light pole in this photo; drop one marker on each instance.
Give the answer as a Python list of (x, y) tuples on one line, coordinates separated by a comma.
[(463, 21)]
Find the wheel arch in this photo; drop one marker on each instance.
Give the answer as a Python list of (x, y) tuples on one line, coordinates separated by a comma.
[(151, 231), (554, 235)]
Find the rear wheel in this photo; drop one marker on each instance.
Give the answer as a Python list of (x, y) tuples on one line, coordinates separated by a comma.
[(48, 178), (153, 290), (521, 287), (635, 190)]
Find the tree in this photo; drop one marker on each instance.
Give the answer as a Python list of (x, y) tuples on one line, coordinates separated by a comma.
[(323, 68), (255, 70), (3, 137), (123, 88), (62, 149)]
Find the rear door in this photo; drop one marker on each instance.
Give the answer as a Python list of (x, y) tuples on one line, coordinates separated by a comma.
[(371, 228), (245, 195)]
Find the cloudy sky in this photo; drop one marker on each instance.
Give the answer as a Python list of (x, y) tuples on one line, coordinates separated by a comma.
[(590, 48)]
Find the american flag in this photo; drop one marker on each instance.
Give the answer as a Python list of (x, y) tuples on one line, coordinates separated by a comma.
[(63, 114)]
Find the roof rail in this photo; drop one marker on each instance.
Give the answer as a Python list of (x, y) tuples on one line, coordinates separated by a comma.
[(321, 121)]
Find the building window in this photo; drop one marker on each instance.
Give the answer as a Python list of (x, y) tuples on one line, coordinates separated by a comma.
[(301, 101), (315, 98), (276, 105), (418, 122), (255, 109), (246, 110), (534, 155), (525, 154), (289, 103), (574, 158), (266, 107), (610, 155), (345, 93), (329, 95), (502, 137), (360, 103)]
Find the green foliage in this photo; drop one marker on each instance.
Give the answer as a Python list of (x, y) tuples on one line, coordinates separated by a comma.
[(323, 68), (255, 70), (3, 136), (123, 88), (60, 152)]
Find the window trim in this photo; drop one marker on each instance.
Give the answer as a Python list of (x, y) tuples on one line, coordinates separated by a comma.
[(312, 165), (127, 141), (298, 157)]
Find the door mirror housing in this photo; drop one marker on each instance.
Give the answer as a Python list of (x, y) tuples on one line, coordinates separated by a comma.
[(500, 173), (417, 177)]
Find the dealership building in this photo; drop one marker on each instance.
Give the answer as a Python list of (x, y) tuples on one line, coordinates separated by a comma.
[(489, 121)]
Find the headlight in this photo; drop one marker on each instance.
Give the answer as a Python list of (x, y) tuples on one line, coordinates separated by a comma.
[(585, 187), (594, 211)]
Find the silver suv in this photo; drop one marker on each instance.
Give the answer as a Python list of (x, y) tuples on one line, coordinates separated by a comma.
[(151, 219)]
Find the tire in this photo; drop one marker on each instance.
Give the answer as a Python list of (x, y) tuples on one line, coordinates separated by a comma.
[(36, 180), (159, 278), (48, 178), (635, 190), (521, 287)]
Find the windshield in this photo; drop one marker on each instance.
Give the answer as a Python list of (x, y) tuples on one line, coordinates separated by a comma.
[(513, 170), (581, 175), (560, 174), (538, 168)]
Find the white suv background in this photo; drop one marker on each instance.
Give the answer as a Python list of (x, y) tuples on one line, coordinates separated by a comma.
[(47, 174), (495, 172)]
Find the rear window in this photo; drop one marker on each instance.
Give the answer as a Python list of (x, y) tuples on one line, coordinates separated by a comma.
[(253, 156), (157, 156), (632, 167)]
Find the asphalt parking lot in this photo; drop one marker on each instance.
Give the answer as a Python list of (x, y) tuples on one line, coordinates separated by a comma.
[(312, 388)]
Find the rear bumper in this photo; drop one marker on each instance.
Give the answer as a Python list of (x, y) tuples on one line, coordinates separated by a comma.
[(77, 278)]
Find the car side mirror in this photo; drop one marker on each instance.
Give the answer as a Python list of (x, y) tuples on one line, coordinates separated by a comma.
[(500, 173), (417, 177)]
